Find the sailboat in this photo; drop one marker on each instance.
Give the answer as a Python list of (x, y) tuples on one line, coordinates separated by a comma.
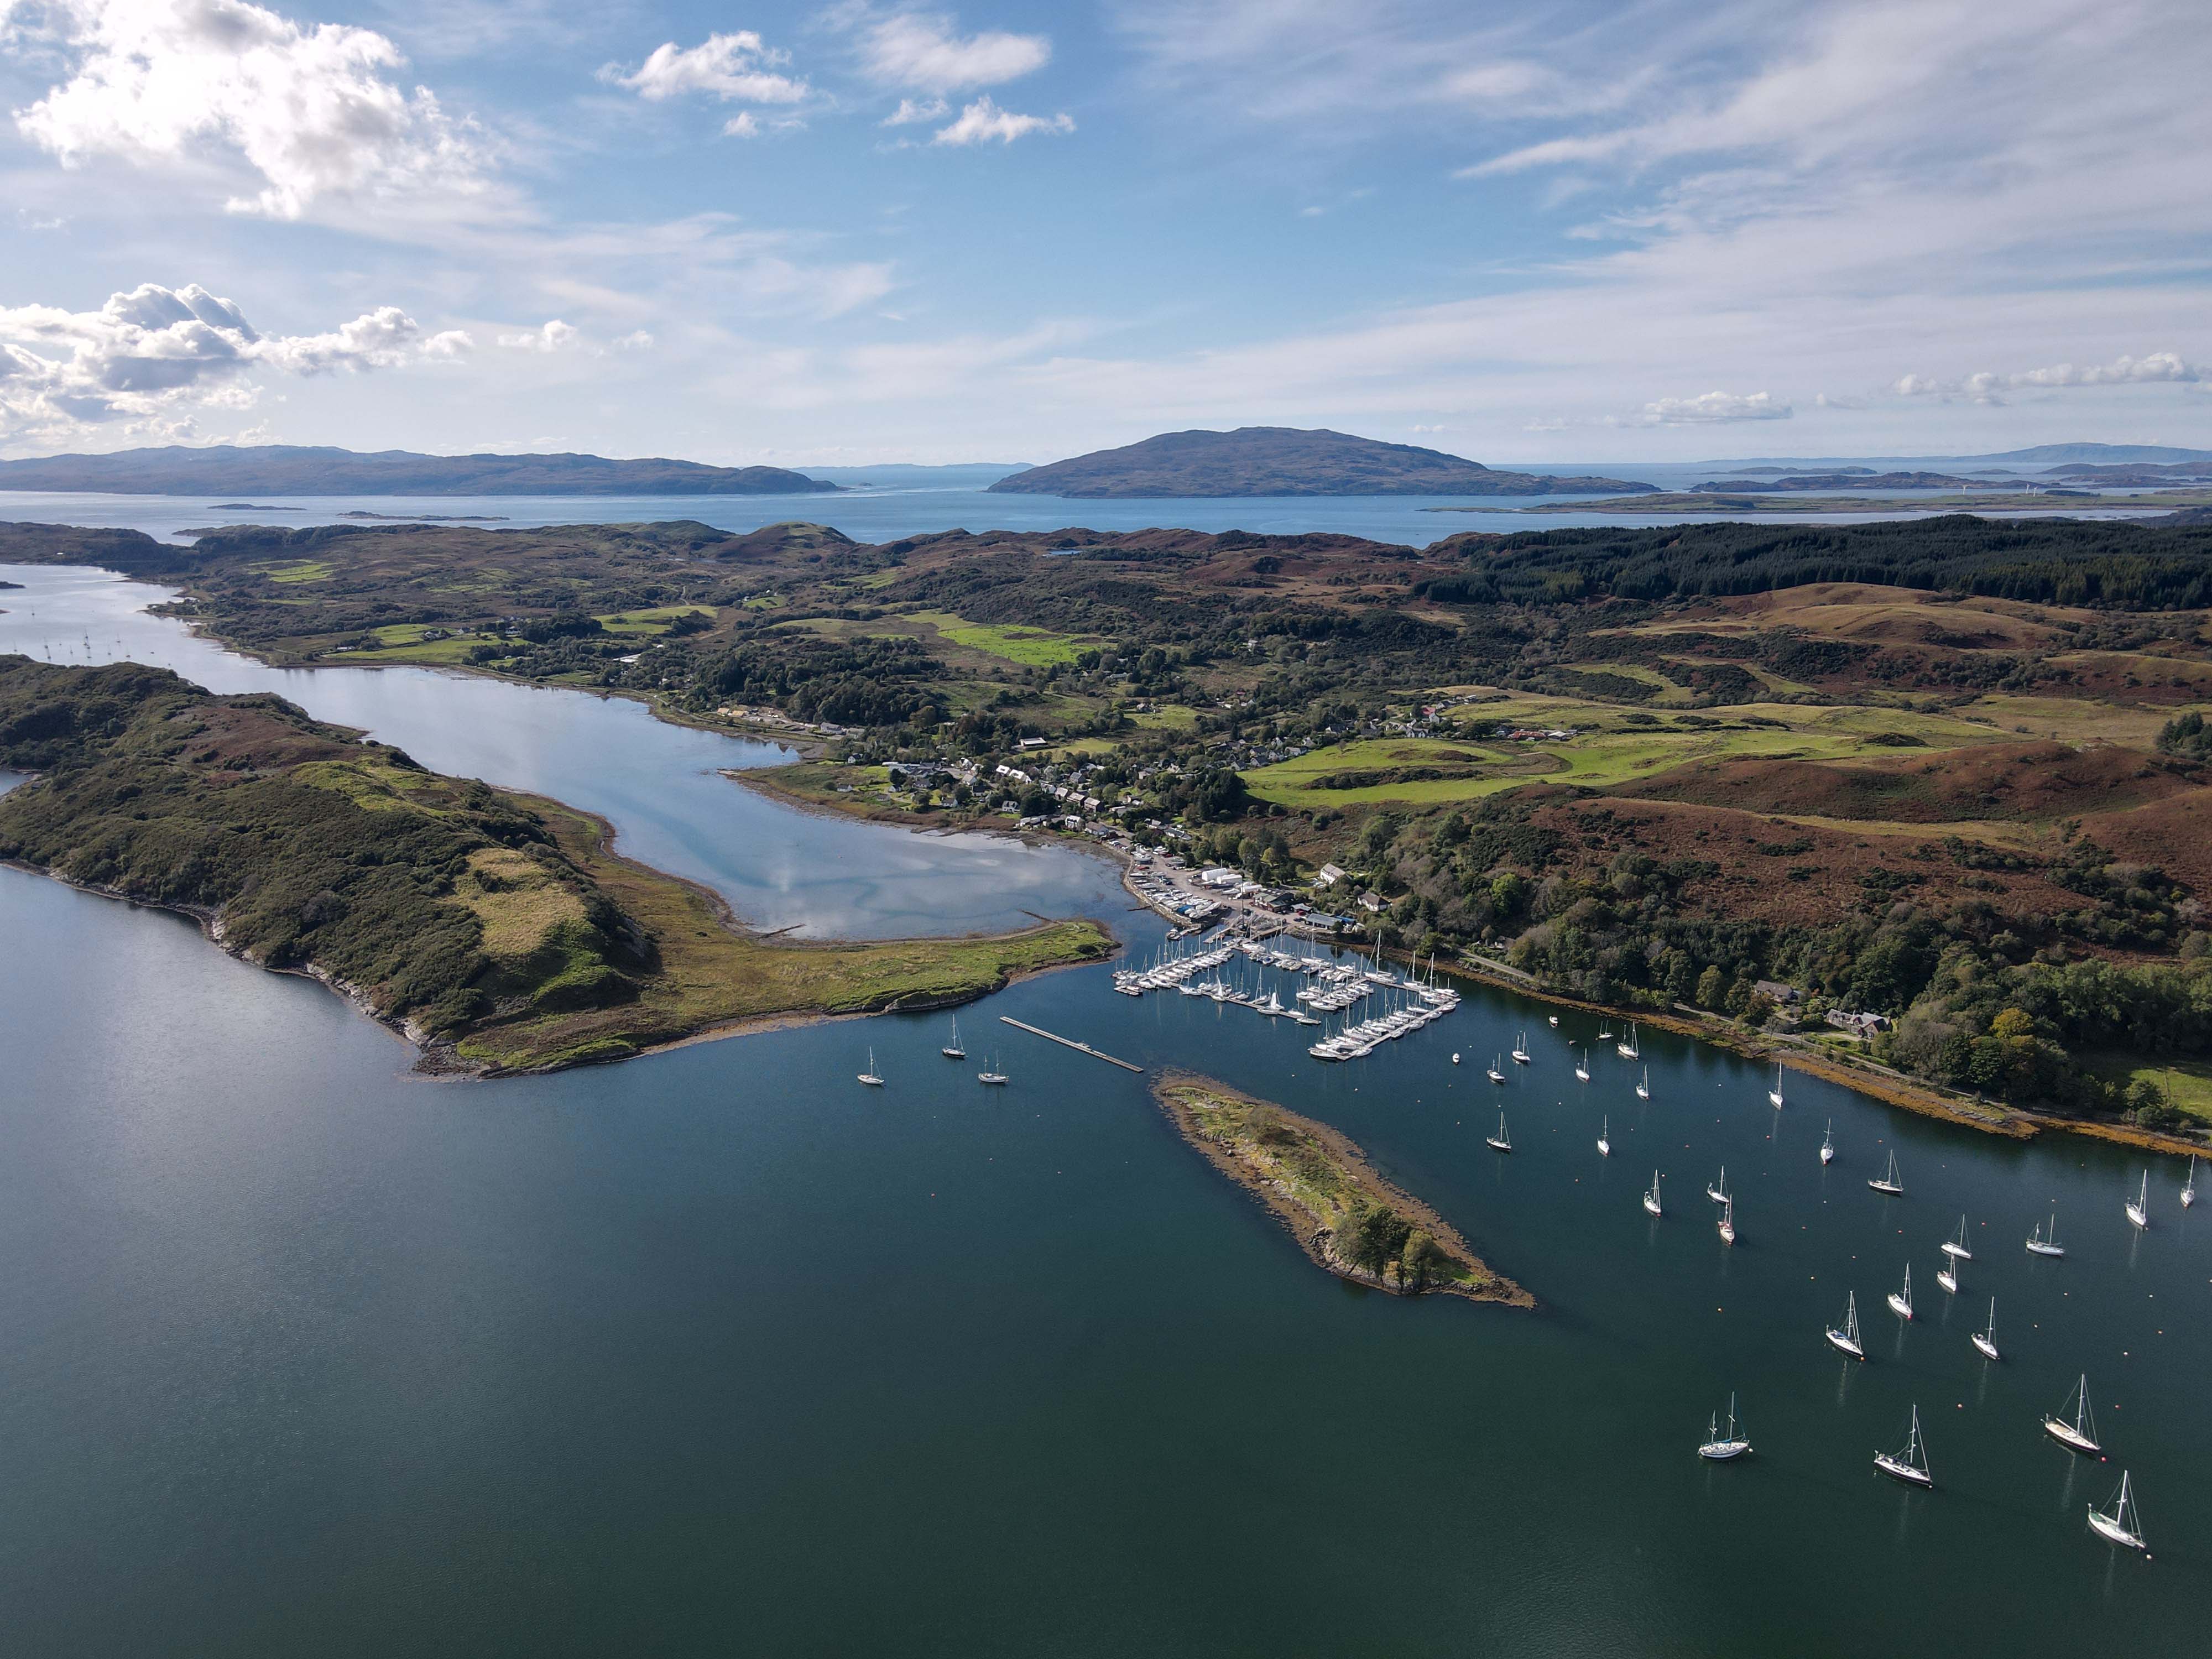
[(1643, 1089), (2119, 1524), (2139, 1205), (1719, 1447), (2189, 1186), (1727, 1221), (1986, 1340), (1582, 1066), (1846, 1336), (1496, 1076), (1909, 1462), (1604, 1137), (2043, 1241), (1956, 1247), (1628, 1050), (1890, 1183), (1605, 1030), (1900, 1301), (952, 1050), (1947, 1274), (869, 1076), (1555, 1022), (2078, 1432), (1775, 1093), (1521, 1049), (1828, 1144), (1501, 1141), (1718, 1191), (1651, 1198), (991, 1075)]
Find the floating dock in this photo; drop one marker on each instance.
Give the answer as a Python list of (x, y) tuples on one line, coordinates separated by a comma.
[(1068, 1042)]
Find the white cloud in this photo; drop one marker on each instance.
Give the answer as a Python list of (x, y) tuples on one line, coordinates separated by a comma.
[(2168, 368), (1712, 407), (920, 50), (737, 67), (635, 340), (308, 109), (148, 352), (910, 111), (554, 335), (982, 121)]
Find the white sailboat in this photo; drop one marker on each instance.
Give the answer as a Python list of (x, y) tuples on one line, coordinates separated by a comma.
[(1947, 1274), (1604, 1137), (1828, 1144), (1555, 1022), (1651, 1198), (2119, 1524), (1890, 1181), (1846, 1335), (952, 1050), (2077, 1432), (1727, 1221), (869, 1076), (1909, 1462), (1501, 1141), (1720, 1447), (1628, 1050), (1986, 1338), (1521, 1049), (2189, 1186), (1582, 1066), (1956, 1247), (1605, 1030), (993, 1075), (1900, 1301), (1775, 1093), (1496, 1075), (2139, 1205), (2044, 1241), (1643, 1089), (1718, 1191)]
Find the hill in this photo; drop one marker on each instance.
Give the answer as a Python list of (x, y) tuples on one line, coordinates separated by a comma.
[(1278, 460), (290, 469)]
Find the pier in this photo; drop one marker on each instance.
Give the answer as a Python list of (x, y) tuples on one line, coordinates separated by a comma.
[(1068, 1042)]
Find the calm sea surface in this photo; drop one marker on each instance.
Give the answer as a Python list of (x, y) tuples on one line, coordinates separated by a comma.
[(885, 514), (718, 1352)]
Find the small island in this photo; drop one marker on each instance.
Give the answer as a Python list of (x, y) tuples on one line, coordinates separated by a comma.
[(1344, 1216)]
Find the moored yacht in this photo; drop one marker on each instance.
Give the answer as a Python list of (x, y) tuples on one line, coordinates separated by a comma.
[(1985, 1340), (2079, 1432), (1582, 1066), (1627, 1048), (869, 1076), (1717, 1190), (1828, 1144), (1909, 1462), (1501, 1142), (1643, 1089), (2139, 1205), (2044, 1240), (1775, 1093), (2118, 1523), (1890, 1181), (1604, 1140), (1727, 1221), (1651, 1198), (1521, 1049), (2189, 1186), (1956, 1247), (1900, 1301), (1846, 1335), (1719, 1447), (1496, 1075), (952, 1050)]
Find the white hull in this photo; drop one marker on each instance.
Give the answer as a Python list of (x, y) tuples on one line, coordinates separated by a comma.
[(1604, 1147), (1828, 1155), (1774, 1095), (1496, 1145), (1897, 1470), (2136, 1215), (1721, 1450), (1643, 1093), (2037, 1247), (1844, 1343), (1728, 1233), (2105, 1528), (1952, 1248), (1899, 1306), (2071, 1437), (1894, 1189), (1716, 1195), (1651, 1204), (994, 1078), (872, 1082), (1948, 1280), (1988, 1349)]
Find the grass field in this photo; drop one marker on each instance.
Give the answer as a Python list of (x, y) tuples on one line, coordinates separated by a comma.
[(647, 624), (1606, 751), (2186, 1083), (289, 571), (1032, 647)]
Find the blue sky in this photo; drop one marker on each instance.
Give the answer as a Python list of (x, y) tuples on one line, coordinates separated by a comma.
[(863, 232)]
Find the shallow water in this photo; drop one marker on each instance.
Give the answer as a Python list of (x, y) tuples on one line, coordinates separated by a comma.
[(717, 1350)]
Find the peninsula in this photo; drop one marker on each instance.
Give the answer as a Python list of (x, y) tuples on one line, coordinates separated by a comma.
[(1279, 460), (1344, 1216), (292, 470), (498, 931)]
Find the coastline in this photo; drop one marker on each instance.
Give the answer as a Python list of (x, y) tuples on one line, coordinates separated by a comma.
[(1172, 1090)]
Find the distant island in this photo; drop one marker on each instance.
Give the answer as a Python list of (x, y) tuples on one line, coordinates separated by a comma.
[(290, 469), (1848, 478), (1278, 460)]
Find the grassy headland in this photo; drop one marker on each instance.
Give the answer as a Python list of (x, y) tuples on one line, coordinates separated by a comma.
[(495, 928), (1344, 1216)]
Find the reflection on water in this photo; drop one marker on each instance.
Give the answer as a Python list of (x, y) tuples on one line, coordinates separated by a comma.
[(659, 784)]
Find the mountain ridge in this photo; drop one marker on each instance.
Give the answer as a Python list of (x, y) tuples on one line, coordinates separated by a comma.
[(325, 470)]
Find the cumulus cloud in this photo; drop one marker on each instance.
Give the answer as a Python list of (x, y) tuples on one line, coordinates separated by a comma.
[(738, 68), (553, 336), (152, 350), (911, 110), (920, 50), (2158, 367), (1713, 408), (982, 121), (309, 109)]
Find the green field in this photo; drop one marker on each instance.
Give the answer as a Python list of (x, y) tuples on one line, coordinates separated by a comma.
[(1606, 751), (646, 624), (295, 570), (2186, 1083), (1032, 647)]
